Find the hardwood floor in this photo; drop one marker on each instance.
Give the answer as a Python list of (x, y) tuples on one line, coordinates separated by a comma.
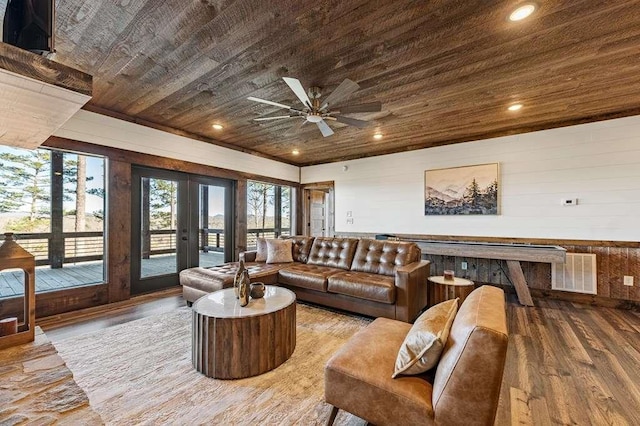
[(571, 364), (566, 364), (59, 327)]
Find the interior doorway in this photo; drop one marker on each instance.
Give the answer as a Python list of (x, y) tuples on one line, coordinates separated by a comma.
[(318, 209)]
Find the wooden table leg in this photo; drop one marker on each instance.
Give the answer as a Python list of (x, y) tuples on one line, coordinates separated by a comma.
[(519, 282)]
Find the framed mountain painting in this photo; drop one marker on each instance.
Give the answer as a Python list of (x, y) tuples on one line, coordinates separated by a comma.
[(468, 190)]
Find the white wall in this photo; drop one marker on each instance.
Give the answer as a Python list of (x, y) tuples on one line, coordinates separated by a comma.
[(598, 163), (102, 130)]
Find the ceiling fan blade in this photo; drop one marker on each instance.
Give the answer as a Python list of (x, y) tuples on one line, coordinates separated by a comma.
[(345, 89), (353, 122), (324, 128), (370, 107), (295, 85), (277, 117), (264, 101), (294, 129)]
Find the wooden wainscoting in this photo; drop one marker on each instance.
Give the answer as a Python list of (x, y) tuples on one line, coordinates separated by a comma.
[(615, 259)]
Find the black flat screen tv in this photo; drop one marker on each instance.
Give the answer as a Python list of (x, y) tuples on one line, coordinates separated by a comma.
[(29, 24)]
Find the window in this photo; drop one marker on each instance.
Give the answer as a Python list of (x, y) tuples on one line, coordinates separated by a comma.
[(54, 202), (269, 211)]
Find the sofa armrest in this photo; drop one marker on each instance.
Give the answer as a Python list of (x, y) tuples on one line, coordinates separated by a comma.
[(249, 256), (411, 290)]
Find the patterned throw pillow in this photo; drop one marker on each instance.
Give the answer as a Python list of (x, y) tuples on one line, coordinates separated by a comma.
[(261, 249), (424, 343), (279, 251)]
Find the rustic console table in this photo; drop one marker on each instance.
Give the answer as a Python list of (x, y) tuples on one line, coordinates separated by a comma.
[(513, 254)]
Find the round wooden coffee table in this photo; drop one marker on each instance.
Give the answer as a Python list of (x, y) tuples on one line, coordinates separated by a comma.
[(232, 342), (442, 289)]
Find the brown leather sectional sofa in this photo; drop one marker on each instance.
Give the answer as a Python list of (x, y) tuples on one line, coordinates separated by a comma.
[(370, 277)]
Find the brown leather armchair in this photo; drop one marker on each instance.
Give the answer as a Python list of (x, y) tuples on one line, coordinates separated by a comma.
[(463, 389)]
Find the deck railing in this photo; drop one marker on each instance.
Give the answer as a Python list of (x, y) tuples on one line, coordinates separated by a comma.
[(75, 247)]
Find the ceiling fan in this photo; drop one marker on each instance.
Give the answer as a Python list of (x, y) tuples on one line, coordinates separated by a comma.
[(315, 111)]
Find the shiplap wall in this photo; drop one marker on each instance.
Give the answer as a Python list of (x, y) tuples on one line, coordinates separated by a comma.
[(98, 129), (598, 163)]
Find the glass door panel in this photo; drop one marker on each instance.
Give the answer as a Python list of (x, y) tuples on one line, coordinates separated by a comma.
[(158, 227), (212, 221)]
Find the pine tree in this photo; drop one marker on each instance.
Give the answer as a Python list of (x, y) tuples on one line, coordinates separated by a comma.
[(472, 193), (259, 197), (163, 194), (27, 180)]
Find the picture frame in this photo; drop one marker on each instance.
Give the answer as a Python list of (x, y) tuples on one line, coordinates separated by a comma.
[(463, 190)]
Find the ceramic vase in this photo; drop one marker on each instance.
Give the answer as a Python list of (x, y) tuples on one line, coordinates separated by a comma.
[(238, 277), (257, 290), (243, 288)]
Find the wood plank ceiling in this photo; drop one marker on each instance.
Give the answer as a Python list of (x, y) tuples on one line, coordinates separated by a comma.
[(445, 71)]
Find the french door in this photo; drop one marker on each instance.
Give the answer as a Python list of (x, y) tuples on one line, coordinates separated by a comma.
[(178, 221)]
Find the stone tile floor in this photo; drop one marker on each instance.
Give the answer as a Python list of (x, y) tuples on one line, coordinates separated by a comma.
[(37, 388)]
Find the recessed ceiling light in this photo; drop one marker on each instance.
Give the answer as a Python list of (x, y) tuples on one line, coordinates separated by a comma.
[(295, 152), (522, 12), (515, 107), (218, 126), (377, 136)]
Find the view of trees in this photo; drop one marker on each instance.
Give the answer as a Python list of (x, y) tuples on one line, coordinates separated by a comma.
[(26, 181), (475, 200), (260, 196), (163, 203), (25, 196), (261, 202)]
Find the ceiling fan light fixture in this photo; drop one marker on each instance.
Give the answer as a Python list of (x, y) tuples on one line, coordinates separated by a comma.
[(313, 118), (218, 126), (377, 136), (515, 107), (522, 12)]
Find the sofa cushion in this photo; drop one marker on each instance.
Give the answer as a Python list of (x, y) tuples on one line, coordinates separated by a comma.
[(279, 251), (333, 252), (258, 271), (424, 343), (301, 247), (358, 378), (383, 257), (261, 249), (313, 277), (378, 288)]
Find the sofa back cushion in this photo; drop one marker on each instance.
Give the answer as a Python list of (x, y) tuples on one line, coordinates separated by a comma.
[(301, 247), (334, 252), (469, 374), (383, 257)]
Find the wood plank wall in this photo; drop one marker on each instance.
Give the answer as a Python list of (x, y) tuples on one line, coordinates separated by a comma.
[(614, 259), (119, 225)]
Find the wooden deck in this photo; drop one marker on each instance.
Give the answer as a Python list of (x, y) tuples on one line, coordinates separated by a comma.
[(86, 273)]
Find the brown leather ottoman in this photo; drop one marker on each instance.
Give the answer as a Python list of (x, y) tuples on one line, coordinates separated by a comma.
[(197, 282)]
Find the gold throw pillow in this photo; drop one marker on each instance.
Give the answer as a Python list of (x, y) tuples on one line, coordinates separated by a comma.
[(425, 341), (279, 251)]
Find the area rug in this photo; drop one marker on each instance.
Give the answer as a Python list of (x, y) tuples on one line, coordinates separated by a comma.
[(141, 373)]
